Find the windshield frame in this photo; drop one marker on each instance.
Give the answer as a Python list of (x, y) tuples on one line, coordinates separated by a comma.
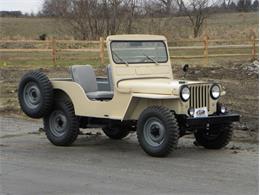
[(151, 62)]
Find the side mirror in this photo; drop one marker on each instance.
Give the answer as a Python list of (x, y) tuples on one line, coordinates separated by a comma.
[(185, 67)]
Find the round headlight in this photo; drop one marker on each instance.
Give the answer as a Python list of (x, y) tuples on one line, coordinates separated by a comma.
[(215, 91), (185, 93)]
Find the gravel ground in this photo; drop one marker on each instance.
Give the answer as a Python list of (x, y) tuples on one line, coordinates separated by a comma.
[(97, 165)]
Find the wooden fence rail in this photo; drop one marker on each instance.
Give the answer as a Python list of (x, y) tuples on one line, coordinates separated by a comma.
[(52, 46)]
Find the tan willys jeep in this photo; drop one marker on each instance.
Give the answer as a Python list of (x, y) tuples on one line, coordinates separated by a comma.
[(139, 94)]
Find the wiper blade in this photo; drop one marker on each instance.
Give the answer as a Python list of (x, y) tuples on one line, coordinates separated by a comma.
[(121, 59), (150, 58)]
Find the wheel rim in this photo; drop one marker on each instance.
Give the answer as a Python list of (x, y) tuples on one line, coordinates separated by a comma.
[(154, 131), (32, 95), (58, 123)]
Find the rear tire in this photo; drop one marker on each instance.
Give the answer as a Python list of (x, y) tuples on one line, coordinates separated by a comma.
[(35, 94), (61, 125), (222, 136), (157, 131)]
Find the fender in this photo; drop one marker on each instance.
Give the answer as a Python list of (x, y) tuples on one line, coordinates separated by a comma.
[(140, 101)]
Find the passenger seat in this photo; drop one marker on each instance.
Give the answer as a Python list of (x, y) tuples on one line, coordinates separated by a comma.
[(85, 76)]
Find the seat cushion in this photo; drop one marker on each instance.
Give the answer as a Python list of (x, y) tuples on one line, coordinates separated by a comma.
[(100, 95)]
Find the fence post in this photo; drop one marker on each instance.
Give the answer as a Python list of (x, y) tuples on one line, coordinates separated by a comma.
[(102, 51), (206, 51), (54, 51), (253, 39)]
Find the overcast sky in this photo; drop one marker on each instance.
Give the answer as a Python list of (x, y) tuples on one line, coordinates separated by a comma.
[(22, 5)]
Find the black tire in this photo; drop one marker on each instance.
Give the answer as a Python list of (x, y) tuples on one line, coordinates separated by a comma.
[(157, 124), (115, 132), (217, 136), (61, 125), (35, 94)]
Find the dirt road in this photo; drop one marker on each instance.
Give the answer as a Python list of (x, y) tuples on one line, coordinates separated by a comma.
[(97, 165)]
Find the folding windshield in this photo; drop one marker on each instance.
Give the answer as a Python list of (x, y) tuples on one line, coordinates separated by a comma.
[(135, 52)]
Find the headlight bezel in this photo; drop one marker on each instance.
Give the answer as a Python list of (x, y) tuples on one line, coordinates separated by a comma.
[(181, 94), (211, 91)]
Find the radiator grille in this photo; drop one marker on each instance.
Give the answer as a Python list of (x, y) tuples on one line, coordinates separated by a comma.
[(199, 96)]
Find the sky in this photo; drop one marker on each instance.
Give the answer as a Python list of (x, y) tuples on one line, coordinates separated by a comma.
[(26, 6)]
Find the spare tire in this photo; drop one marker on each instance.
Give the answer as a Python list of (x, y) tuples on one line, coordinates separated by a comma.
[(35, 94)]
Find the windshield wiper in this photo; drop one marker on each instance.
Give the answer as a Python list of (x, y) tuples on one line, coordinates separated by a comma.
[(150, 58), (121, 59)]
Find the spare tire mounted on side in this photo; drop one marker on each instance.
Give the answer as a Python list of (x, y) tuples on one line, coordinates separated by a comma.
[(35, 94)]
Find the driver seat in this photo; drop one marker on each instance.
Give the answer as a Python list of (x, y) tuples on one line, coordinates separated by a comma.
[(85, 76)]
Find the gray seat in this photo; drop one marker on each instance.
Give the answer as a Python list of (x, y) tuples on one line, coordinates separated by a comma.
[(85, 76), (110, 77)]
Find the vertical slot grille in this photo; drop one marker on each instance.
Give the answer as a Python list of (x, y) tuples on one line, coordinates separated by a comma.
[(199, 96)]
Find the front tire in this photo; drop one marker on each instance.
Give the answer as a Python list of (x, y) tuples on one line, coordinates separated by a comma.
[(214, 137), (157, 131), (61, 125)]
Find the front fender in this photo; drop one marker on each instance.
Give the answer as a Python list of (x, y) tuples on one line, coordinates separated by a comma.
[(140, 101)]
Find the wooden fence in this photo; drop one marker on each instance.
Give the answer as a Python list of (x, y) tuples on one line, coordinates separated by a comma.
[(205, 45)]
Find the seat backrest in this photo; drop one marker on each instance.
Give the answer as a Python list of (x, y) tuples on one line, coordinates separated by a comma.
[(110, 77), (85, 76)]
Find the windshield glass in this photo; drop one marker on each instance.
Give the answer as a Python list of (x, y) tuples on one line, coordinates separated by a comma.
[(134, 52)]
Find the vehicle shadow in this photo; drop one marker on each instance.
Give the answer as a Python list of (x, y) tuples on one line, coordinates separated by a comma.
[(130, 146)]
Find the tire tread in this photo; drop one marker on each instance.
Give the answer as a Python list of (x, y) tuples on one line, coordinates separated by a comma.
[(47, 93), (72, 134), (221, 141), (170, 123)]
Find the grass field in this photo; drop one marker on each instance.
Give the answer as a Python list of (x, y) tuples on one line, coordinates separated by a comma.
[(226, 26)]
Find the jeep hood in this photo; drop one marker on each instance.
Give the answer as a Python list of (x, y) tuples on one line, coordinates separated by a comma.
[(153, 86)]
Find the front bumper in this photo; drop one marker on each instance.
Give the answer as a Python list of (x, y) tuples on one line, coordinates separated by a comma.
[(213, 119)]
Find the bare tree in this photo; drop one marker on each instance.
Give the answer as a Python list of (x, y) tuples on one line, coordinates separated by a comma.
[(115, 15), (131, 6), (244, 5), (91, 19), (168, 5), (255, 5), (226, 3), (197, 11)]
